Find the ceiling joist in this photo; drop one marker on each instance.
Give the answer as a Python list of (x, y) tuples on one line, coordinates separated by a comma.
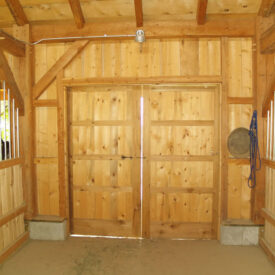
[(77, 13), (7, 75), (139, 13), (201, 11), (17, 12), (11, 45), (266, 8)]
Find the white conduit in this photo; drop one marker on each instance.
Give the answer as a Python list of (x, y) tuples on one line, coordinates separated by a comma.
[(17, 125), (13, 127), (5, 125), (274, 128), (139, 37), (267, 135), (9, 118), (270, 126)]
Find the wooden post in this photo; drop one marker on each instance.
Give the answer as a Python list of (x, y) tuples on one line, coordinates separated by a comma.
[(224, 131)]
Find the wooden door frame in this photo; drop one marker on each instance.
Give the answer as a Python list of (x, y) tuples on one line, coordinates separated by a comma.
[(63, 86)]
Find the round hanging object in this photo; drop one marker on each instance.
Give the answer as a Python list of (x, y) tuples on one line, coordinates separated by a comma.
[(238, 143)]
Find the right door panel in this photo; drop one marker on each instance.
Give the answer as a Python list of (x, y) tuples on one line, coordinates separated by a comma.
[(181, 165)]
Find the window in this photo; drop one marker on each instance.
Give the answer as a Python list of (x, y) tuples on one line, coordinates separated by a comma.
[(9, 121)]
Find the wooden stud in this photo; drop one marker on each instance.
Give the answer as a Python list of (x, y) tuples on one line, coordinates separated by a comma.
[(201, 11), (224, 132), (77, 13), (64, 60), (61, 145), (17, 12), (266, 7), (7, 74), (12, 45), (146, 164), (139, 13)]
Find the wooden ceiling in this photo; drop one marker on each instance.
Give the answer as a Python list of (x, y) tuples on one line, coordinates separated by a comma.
[(81, 11)]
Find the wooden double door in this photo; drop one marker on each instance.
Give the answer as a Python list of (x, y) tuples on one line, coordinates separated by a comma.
[(144, 160)]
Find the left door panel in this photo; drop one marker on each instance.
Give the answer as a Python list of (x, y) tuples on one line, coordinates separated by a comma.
[(104, 149)]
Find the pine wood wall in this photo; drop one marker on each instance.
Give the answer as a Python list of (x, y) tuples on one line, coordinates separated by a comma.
[(231, 59)]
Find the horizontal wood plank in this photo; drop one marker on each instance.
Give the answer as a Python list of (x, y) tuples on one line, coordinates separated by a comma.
[(45, 160), (182, 123), (12, 214), (267, 249), (14, 246), (74, 82), (240, 100), (197, 190), (10, 162), (45, 103), (181, 230), (102, 228), (269, 163), (267, 215)]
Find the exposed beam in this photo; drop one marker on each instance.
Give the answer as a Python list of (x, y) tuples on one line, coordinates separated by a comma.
[(216, 26), (139, 14), (266, 7), (63, 61), (77, 13), (270, 95), (267, 41), (17, 12), (11, 45), (6, 73), (201, 11)]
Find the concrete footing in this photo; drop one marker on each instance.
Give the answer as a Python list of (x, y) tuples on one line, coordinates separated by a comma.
[(48, 230), (239, 235)]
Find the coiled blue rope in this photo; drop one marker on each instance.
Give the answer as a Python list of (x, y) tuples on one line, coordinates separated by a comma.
[(254, 151)]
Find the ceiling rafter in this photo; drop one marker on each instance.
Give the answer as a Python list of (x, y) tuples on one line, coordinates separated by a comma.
[(139, 13), (17, 12), (77, 13), (201, 11), (266, 8)]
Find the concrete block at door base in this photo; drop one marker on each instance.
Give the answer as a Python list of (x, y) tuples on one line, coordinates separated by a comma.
[(239, 235), (50, 231)]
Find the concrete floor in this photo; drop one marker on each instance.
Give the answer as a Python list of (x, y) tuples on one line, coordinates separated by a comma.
[(79, 256)]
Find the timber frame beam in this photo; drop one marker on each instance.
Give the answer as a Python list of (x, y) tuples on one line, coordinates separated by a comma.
[(6, 73), (267, 41), (201, 11), (266, 8), (17, 12), (77, 13), (215, 26), (64, 60), (139, 13), (11, 45)]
